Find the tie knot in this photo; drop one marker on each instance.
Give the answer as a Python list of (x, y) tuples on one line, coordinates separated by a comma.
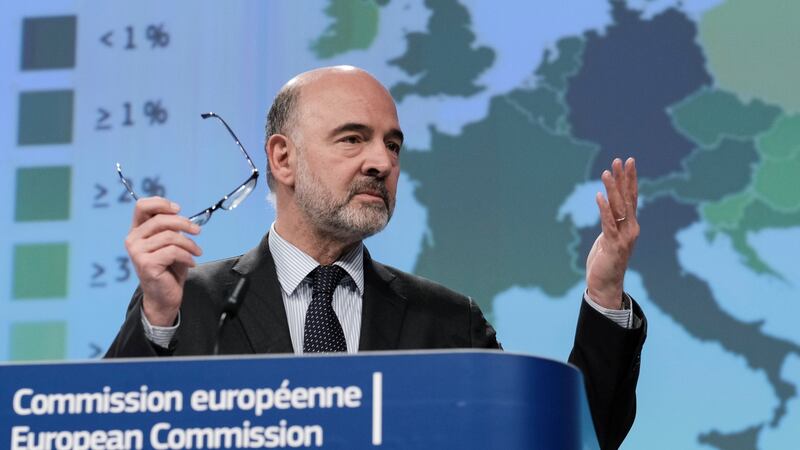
[(326, 278)]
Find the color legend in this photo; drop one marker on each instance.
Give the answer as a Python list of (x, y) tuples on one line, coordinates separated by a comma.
[(38, 340), (48, 42), (40, 271), (43, 193), (45, 117)]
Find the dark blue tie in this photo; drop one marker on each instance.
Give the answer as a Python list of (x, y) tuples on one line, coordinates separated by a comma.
[(323, 332)]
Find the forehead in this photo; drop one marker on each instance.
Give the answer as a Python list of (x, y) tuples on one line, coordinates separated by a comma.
[(332, 100)]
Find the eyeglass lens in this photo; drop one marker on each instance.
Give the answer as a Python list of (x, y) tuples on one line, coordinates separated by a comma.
[(239, 195), (201, 218)]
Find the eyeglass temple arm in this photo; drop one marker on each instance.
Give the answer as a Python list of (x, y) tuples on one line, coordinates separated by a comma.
[(241, 147), (125, 183)]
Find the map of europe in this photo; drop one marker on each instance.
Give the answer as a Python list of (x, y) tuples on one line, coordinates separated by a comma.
[(702, 93)]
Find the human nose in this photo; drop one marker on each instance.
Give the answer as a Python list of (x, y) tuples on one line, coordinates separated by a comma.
[(378, 160)]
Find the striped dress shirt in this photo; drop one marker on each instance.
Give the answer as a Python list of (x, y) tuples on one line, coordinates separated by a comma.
[(293, 266)]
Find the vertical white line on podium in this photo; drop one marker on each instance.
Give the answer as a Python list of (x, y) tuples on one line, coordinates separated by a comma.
[(377, 408)]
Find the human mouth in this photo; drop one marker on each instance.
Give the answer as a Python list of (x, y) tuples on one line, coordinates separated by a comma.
[(371, 196), (370, 191)]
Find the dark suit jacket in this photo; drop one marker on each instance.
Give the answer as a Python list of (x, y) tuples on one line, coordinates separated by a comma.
[(400, 311)]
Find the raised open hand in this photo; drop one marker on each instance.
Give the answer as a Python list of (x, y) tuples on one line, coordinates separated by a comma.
[(608, 258)]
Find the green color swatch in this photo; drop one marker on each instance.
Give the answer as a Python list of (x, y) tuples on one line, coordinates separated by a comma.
[(38, 340), (45, 117), (48, 42), (40, 270), (43, 193)]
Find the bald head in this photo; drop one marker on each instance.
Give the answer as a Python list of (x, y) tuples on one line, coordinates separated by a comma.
[(289, 106), (324, 74)]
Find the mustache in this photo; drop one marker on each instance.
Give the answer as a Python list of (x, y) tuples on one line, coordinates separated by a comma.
[(371, 186)]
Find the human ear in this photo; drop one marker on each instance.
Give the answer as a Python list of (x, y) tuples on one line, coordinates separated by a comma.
[(280, 156)]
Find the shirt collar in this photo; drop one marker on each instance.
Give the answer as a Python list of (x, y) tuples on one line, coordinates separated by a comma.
[(292, 265)]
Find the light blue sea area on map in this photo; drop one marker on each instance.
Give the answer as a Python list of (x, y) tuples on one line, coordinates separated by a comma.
[(517, 55), (580, 205), (530, 321), (399, 244), (746, 295), (686, 385), (690, 386), (692, 8)]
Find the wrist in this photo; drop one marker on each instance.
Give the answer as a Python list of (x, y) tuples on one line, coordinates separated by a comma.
[(159, 316), (609, 299)]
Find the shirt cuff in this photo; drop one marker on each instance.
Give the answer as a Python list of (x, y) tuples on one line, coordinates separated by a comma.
[(623, 317), (161, 336)]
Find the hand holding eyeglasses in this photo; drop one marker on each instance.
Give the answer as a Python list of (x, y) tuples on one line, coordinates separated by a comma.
[(162, 256), (160, 253)]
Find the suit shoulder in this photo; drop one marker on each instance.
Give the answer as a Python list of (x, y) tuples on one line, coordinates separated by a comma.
[(421, 287), (212, 272), (441, 316)]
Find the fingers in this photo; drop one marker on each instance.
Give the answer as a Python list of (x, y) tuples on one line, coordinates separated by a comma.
[(171, 255), (615, 199), (609, 256), (151, 257), (620, 179), (162, 222), (152, 266), (157, 241), (167, 238), (632, 187), (151, 206), (622, 188), (607, 221)]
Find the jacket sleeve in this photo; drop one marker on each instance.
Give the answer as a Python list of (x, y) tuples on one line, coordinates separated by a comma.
[(608, 356), (131, 341), (482, 334)]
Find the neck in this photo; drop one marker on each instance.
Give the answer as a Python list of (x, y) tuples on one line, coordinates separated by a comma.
[(323, 248)]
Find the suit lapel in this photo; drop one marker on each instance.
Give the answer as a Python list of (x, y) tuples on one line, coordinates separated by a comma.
[(383, 309), (262, 313)]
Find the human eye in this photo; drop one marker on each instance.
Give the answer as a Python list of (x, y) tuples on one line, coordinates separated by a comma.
[(394, 147), (351, 139)]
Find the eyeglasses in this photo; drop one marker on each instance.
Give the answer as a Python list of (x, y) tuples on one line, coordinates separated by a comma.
[(228, 202)]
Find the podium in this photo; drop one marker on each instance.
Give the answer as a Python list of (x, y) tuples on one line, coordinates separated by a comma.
[(461, 399)]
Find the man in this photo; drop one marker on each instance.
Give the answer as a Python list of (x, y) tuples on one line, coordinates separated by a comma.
[(333, 153)]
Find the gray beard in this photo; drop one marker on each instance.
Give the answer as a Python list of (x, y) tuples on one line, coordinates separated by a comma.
[(339, 218)]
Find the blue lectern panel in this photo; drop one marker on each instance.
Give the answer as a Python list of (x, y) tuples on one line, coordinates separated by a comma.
[(418, 400)]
